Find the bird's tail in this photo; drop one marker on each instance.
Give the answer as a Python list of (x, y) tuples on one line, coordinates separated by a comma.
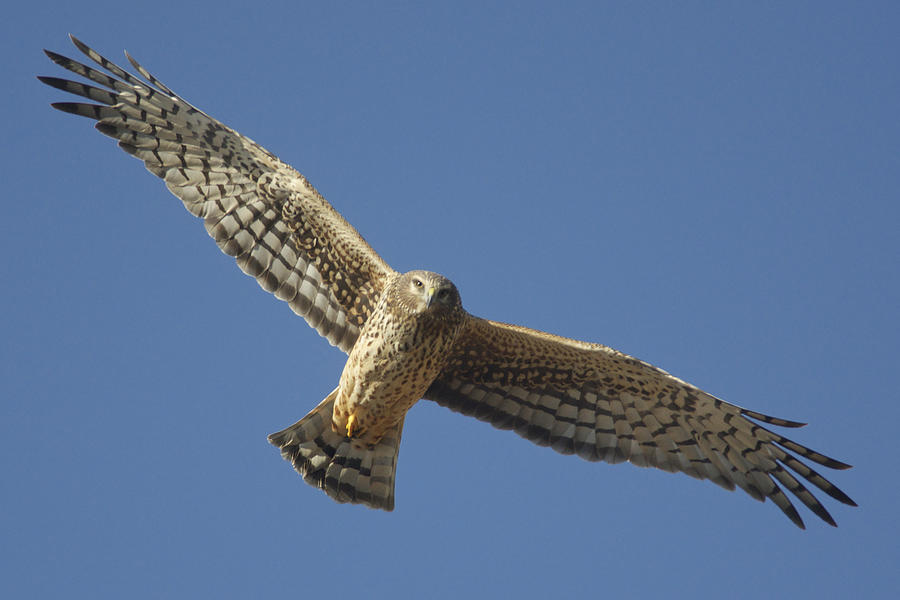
[(329, 461)]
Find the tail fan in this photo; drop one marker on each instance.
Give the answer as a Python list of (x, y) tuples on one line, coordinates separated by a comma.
[(329, 461)]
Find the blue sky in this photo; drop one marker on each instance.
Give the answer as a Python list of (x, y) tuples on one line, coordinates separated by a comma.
[(712, 188)]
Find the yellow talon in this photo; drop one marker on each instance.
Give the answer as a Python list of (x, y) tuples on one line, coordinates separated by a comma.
[(351, 426)]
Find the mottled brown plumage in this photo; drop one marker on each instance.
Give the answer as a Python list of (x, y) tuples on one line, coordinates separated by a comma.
[(408, 336), (400, 350)]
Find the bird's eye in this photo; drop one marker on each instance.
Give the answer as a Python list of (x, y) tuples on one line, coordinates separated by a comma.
[(417, 283)]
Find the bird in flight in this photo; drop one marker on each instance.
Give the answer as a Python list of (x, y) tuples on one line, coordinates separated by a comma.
[(408, 336)]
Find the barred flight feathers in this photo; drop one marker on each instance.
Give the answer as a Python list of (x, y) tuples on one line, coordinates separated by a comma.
[(603, 405), (407, 335), (259, 210), (331, 462)]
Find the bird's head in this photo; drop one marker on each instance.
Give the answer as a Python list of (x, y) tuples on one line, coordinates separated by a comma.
[(424, 291)]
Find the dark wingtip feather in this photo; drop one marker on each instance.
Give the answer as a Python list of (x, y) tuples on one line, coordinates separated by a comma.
[(107, 130), (794, 516), (770, 419), (79, 44), (822, 459), (839, 495), (822, 513), (55, 82), (74, 108), (843, 498), (57, 58), (129, 148), (836, 493)]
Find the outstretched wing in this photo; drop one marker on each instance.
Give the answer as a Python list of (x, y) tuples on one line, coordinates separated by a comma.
[(600, 404), (257, 209)]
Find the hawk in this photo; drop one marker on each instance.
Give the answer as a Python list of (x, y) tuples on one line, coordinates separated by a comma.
[(408, 336)]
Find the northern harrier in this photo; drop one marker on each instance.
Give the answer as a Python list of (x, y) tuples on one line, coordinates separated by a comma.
[(408, 336)]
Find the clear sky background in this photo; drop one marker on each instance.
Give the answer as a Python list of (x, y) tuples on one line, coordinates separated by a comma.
[(712, 187)]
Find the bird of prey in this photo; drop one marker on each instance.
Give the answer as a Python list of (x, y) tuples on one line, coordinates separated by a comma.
[(408, 336)]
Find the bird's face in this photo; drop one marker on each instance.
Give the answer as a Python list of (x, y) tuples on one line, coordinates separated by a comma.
[(426, 291)]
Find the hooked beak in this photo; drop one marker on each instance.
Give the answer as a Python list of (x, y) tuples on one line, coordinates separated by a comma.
[(429, 296)]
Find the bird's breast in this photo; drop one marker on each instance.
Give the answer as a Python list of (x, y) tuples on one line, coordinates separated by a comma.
[(389, 368)]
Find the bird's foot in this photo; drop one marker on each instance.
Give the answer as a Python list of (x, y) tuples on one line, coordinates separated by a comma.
[(352, 427)]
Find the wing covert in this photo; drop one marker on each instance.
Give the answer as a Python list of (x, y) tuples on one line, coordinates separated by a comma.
[(260, 211), (603, 405)]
